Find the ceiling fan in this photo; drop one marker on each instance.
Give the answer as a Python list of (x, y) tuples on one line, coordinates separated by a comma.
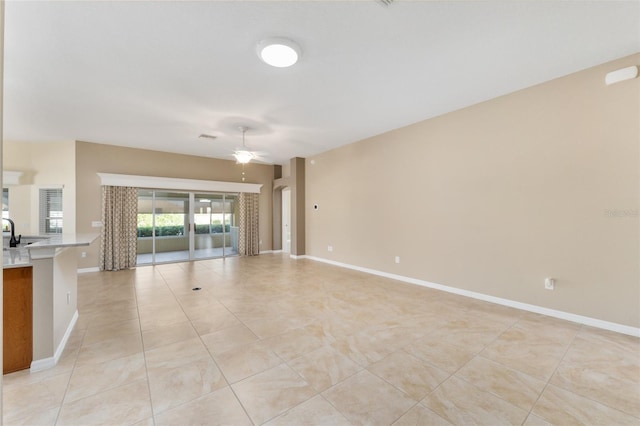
[(242, 155)]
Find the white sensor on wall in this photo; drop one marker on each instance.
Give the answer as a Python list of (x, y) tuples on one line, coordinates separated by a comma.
[(549, 283), (621, 75)]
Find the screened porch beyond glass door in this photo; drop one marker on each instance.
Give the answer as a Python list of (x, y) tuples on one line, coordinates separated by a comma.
[(177, 226), (216, 231)]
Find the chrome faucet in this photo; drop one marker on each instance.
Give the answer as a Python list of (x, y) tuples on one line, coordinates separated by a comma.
[(13, 242)]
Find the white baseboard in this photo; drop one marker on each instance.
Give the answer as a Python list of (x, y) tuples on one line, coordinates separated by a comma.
[(85, 270), (593, 322), (302, 256), (270, 251), (43, 364)]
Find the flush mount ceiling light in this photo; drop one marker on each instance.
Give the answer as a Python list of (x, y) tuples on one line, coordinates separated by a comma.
[(243, 156), (621, 75), (279, 52)]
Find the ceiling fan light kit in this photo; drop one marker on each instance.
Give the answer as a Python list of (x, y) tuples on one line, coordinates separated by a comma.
[(279, 52), (243, 157)]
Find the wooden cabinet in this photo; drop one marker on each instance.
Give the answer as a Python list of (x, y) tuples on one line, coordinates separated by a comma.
[(17, 319)]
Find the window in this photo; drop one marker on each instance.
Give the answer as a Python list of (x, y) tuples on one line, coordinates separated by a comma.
[(5, 209), (51, 211), (5, 202), (169, 217)]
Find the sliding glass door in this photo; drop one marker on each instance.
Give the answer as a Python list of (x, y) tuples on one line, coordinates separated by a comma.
[(180, 226), (163, 226), (216, 232)]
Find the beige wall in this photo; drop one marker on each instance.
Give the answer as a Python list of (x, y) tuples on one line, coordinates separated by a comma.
[(93, 158), (17, 157), (44, 165), (496, 197)]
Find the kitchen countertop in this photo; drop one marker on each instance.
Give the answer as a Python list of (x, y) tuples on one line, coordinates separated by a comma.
[(22, 255), (15, 258), (62, 240)]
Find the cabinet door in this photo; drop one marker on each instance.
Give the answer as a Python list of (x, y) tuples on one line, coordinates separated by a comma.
[(17, 319)]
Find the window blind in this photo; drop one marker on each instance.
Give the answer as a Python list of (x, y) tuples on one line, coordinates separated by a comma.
[(50, 211)]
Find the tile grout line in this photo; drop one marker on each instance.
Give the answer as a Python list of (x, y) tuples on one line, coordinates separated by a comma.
[(283, 361), (476, 354), (144, 352), (392, 385), (213, 358), (84, 333), (317, 393), (582, 327), (548, 381), (70, 376)]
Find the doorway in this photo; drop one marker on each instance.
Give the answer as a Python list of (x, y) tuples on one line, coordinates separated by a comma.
[(180, 226), (286, 220), (216, 231)]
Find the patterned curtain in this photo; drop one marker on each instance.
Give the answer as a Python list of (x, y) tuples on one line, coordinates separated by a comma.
[(118, 249), (248, 235)]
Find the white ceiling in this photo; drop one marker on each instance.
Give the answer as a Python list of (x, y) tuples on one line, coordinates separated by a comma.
[(156, 75)]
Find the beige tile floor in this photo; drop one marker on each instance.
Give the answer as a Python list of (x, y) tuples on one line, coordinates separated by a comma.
[(270, 340)]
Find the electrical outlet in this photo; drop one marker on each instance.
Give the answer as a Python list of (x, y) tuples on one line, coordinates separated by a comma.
[(549, 283), (397, 259), (330, 248), (96, 224), (83, 254)]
